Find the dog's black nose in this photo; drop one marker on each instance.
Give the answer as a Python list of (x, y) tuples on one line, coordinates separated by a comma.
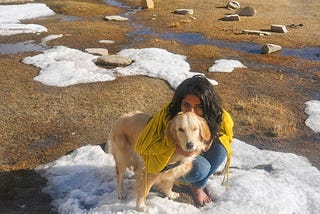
[(189, 145)]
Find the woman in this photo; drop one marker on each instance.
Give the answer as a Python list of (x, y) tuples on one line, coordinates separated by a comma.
[(195, 94)]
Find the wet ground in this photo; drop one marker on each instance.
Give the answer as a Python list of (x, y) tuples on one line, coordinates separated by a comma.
[(40, 123)]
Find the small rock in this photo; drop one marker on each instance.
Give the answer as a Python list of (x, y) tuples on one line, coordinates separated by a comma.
[(116, 18), (105, 41), (279, 28), (246, 11), (99, 51), (257, 32), (270, 48), (114, 60), (183, 11), (233, 17), (147, 4), (233, 5)]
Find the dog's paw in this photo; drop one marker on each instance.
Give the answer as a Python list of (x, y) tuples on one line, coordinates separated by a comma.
[(122, 195), (173, 195), (141, 208)]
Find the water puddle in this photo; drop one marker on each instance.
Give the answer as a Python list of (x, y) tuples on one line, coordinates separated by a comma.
[(116, 4), (198, 39), (130, 10), (20, 47), (28, 46)]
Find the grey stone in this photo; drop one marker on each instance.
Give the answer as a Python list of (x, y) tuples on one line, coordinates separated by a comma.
[(233, 5), (279, 28), (99, 51), (233, 17), (116, 18), (183, 11), (270, 48), (257, 32), (147, 4), (114, 60)]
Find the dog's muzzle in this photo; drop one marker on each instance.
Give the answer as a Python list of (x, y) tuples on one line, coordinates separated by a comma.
[(189, 146)]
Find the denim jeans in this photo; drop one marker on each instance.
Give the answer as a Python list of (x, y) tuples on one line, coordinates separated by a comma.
[(205, 165)]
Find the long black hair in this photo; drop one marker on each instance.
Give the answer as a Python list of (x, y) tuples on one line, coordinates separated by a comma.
[(198, 85)]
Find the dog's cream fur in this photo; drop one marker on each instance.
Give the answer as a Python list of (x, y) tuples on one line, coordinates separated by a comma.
[(186, 130)]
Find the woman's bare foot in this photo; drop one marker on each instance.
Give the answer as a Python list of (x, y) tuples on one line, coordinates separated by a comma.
[(200, 196)]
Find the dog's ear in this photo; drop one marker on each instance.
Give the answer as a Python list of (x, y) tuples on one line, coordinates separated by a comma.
[(170, 132), (204, 130)]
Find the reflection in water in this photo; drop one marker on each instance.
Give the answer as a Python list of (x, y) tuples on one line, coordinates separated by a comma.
[(20, 47), (115, 3), (198, 39), (307, 53), (130, 10)]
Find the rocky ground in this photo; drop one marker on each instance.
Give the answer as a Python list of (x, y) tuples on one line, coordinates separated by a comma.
[(39, 123)]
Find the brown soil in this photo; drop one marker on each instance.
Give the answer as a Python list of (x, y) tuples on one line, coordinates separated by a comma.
[(39, 123)]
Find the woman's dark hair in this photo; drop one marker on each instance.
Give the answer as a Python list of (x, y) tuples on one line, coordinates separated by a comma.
[(198, 85)]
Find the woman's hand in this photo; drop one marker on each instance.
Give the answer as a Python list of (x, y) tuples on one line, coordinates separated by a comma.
[(180, 151)]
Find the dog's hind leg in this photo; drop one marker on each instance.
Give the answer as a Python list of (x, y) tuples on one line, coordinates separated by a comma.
[(120, 177), (121, 163)]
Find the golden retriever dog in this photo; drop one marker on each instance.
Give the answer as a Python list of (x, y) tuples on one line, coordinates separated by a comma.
[(187, 130)]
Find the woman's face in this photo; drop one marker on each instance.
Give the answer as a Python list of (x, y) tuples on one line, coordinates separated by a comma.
[(192, 103)]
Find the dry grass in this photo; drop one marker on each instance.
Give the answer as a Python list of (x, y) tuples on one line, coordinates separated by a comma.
[(267, 117)]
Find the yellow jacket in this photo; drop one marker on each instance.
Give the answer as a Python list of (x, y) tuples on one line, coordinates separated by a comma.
[(156, 150)]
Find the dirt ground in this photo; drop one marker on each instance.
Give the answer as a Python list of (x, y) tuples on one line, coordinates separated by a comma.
[(40, 123)]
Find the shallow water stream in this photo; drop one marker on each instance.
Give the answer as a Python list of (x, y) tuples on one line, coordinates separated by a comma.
[(310, 53), (140, 32)]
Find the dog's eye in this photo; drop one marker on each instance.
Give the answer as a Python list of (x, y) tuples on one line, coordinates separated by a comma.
[(181, 130)]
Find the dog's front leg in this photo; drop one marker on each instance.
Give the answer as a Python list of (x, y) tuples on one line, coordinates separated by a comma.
[(140, 189), (166, 187), (144, 182)]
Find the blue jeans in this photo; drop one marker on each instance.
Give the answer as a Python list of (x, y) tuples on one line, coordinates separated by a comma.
[(205, 165)]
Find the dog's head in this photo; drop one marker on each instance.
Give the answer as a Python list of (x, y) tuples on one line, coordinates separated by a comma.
[(189, 131)]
